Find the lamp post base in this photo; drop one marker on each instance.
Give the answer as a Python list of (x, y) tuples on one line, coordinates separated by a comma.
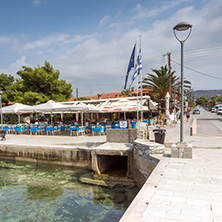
[(181, 150)]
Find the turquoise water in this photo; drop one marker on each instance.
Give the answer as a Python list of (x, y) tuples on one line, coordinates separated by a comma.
[(30, 192)]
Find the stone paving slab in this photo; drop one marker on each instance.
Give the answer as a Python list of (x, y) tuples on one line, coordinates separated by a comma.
[(187, 190)]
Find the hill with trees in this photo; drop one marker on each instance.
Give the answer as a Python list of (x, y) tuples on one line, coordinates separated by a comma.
[(207, 93)]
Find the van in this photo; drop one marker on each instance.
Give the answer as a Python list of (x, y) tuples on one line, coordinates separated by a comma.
[(219, 111), (213, 110)]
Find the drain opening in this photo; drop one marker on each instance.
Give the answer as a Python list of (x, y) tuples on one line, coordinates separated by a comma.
[(112, 165)]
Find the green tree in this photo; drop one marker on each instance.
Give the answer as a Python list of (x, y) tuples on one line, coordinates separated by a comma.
[(39, 85), (214, 100), (127, 91), (5, 82), (159, 82), (203, 101)]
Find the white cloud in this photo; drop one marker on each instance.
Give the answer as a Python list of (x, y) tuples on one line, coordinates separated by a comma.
[(104, 21), (44, 42), (79, 38), (36, 2), (98, 61), (14, 67), (143, 13), (101, 66)]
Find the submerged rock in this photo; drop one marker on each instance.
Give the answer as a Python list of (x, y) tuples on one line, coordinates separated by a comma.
[(22, 178), (120, 198), (89, 179)]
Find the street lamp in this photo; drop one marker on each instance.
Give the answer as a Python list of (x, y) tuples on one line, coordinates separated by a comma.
[(1, 106), (182, 26)]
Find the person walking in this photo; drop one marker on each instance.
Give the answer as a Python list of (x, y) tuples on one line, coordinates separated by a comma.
[(188, 115)]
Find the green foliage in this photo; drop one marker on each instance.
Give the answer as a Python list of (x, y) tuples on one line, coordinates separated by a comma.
[(207, 93), (35, 86), (127, 91), (82, 98), (5, 81), (214, 100), (203, 101), (159, 82)]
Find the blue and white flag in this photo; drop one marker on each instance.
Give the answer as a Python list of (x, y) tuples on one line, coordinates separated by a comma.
[(138, 67), (131, 64)]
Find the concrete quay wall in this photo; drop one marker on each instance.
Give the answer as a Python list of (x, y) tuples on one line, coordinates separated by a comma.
[(49, 155), (143, 161)]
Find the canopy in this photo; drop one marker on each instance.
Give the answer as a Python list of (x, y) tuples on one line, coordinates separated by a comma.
[(124, 105), (48, 107), (14, 109), (84, 108)]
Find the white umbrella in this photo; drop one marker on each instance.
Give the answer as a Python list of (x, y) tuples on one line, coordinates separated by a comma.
[(48, 107), (14, 109), (83, 108)]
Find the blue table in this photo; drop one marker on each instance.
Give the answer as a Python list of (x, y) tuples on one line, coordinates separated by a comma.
[(33, 129), (98, 129), (78, 130)]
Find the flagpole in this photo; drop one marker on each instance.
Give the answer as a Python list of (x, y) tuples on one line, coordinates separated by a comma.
[(141, 88), (137, 102)]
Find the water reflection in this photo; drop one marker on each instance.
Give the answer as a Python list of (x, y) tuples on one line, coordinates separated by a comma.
[(47, 193)]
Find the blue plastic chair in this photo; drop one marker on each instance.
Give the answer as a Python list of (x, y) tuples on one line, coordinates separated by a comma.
[(6, 128), (18, 129)]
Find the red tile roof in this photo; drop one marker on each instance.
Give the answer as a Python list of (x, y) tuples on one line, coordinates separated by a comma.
[(102, 96), (144, 91), (110, 95)]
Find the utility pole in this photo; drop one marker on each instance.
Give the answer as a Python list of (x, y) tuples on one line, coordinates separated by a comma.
[(170, 74), (77, 94)]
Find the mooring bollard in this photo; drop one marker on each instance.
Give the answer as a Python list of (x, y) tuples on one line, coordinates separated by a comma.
[(191, 131)]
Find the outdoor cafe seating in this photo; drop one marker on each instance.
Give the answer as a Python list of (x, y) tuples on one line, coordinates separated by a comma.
[(77, 130), (72, 128), (98, 129)]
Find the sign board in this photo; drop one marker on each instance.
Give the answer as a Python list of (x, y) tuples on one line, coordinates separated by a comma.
[(123, 124)]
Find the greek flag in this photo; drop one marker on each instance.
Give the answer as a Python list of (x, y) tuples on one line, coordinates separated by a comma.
[(138, 67)]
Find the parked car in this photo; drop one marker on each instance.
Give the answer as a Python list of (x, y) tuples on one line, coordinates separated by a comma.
[(213, 110), (219, 111), (196, 111)]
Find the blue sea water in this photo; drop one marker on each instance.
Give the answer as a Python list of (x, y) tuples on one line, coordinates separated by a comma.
[(30, 192)]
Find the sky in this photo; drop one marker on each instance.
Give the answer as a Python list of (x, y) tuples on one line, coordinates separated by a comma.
[(90, 41)]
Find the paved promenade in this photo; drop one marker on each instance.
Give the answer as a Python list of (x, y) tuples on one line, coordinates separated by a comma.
[(53, 141), (186, 190)]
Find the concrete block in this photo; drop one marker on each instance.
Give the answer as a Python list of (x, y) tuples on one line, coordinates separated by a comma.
[(174, 152), (181, 150)]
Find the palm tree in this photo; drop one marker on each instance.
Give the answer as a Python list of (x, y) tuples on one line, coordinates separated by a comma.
[(159, 82)]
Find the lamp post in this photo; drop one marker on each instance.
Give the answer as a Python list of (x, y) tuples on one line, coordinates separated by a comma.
[(1, 106), (182, 26)]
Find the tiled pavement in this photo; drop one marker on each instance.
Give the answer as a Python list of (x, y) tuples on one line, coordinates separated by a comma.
[(183, 190)]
